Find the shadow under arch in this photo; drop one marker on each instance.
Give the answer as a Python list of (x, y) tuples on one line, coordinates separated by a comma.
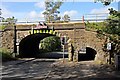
[(90, 54), (29, 46)]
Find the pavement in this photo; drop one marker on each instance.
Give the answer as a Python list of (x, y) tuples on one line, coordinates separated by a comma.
[(56, 69)]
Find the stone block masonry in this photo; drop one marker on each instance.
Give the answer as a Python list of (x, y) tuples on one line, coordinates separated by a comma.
[(80, 38), (7, 40)]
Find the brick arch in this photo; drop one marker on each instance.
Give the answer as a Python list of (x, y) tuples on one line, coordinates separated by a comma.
[(29, 46)]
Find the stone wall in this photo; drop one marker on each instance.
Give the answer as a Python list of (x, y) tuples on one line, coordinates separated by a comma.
[(21, 35), (7, 40), (80, 38)]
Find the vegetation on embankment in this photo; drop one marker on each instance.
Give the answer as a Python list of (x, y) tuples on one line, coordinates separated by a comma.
[(5, 55), (2, 27), (95, 26), (110, 29)]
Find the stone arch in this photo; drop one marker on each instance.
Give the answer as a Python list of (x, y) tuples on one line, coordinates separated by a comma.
[(90, 54), (100, 56), (29, 46)]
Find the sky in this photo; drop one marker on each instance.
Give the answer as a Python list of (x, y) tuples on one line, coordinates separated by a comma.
[(29, 10)]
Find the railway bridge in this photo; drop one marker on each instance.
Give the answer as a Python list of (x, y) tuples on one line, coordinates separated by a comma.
[(28, 38)]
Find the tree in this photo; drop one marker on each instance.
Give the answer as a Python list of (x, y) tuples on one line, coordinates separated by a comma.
[(66, 18), (51, 10), (9, 22), (1, 18), (113, 22), (112, 32), (104, 2), (51, 43)]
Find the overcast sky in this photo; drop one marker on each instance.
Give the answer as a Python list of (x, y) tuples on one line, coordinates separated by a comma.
[(29, 10)]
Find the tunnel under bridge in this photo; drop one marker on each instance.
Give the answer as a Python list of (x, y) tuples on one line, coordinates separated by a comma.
[(88, 54), (29, 46)]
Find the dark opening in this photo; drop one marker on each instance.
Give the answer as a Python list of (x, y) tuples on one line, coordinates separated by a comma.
[(89, 55), (29, 46)]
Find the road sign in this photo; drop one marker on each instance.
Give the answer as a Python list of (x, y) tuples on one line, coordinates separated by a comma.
[(63, 40), (109, 46)]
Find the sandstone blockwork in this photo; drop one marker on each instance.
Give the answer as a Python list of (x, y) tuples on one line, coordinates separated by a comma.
[(80, 38), (7, 40)]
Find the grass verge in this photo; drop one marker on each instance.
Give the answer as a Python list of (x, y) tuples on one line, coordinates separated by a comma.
[(5, 55)]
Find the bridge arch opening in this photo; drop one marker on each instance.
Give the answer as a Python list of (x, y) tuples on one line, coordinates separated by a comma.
[(29, 46), (88, 55)]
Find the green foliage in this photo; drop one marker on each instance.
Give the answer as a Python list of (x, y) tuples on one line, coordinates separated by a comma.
[(5, 55), (104, 2), (2, 27), (10, 19), (113, 23), (115, 39), (9, 22), (100, 34), (50, 44), (95, 26), (112, 30), (51, 11), (66, 18), (109, 28)]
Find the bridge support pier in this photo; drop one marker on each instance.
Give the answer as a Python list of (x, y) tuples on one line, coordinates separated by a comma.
[(72, 54), (75, 57)]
